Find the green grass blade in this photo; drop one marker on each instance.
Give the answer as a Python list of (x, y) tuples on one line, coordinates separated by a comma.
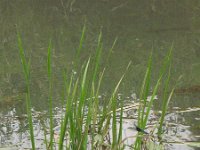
[(114, 119), (111, 50), (114, 107), (146, 87), (142, 91), (165, 102), (76, 59), (23, 59), (81, 104), (26, 70), (83, 89), (97, 57), (72, 117), (120, 125), (49, 56), (49, 72), (65, 121)]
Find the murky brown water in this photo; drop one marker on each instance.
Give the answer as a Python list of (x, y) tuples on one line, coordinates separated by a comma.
[(139, 26)]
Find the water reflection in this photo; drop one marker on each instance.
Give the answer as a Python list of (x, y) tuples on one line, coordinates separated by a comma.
[(14, 129)]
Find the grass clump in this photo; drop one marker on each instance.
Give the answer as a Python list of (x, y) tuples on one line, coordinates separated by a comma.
[(146, 105), (86, 124)]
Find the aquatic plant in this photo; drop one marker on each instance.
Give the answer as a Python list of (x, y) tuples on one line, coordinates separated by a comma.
[(86, 123)]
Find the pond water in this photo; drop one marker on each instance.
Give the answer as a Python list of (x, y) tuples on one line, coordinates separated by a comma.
[(139, 27)]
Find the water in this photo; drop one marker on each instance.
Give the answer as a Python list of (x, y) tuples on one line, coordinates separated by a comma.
[(140, 26)]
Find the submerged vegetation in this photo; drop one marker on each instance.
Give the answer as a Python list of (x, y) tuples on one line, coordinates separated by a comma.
[(86, 122)]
